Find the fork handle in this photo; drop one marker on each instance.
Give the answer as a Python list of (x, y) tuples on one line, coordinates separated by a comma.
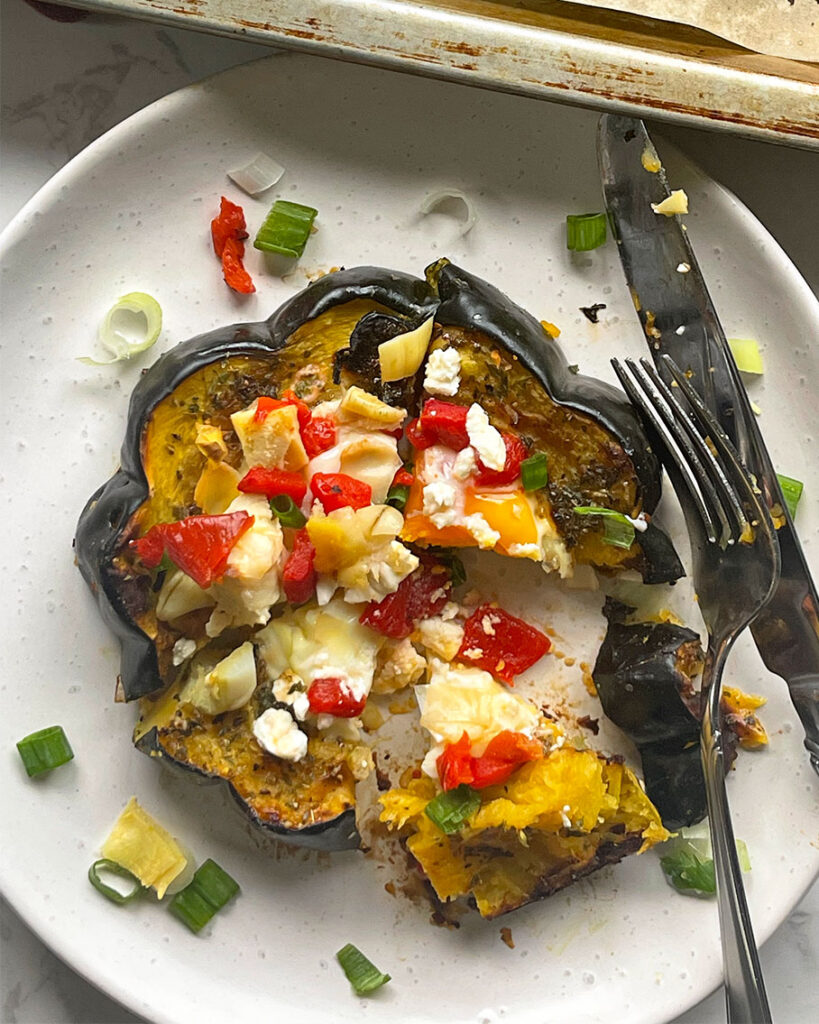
[(745, 996)]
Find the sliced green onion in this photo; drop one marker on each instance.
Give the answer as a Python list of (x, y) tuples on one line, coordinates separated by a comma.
[(287, 511), (746, 355), (108, 891), (689, 866), (397, 496), (130, 326), (791, 491), (210, 889), (215, 884), (257, 176), (192, 909), (534, 472), (44, 750), (585, 231), (618, 529), (286, 228), (450, 810), (361, 973)]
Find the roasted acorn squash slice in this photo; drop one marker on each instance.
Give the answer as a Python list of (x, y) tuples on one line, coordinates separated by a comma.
[(325, 337)]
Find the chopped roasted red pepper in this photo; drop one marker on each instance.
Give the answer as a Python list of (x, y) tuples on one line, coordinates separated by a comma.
[(328, 696), (500, 643), (337, 490), (270, 482), (199, 545), (445, 423), (302, 408), (299, 576), (228, 232), (318, 435), (515, 454), (422, 594), (455, 764), (229, 224), (416, 436), (504, 753), (233, 270), (403, 478)]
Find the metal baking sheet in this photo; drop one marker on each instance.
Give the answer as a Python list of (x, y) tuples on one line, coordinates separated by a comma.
[(542, 48)]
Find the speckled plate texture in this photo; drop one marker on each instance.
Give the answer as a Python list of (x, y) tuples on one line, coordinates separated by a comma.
[(132, 213)]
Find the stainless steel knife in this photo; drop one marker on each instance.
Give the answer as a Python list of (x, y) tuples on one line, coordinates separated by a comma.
[(679, 318)]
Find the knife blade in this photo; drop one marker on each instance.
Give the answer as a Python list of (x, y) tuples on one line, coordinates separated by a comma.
[(679, 318)]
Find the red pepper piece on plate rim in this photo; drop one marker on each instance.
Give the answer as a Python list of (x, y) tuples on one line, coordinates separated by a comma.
[(228, 232)]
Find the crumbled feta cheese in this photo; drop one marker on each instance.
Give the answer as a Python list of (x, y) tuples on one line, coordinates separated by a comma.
[(442, 373), (677, 202), (481, 530), (484, 438), (465, 464), (182, 650), (439, 499), (451, 610), (564, 816), (278, 734), (441, 637)]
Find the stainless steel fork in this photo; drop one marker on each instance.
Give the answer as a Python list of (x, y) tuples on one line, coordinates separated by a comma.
[(736, 567)]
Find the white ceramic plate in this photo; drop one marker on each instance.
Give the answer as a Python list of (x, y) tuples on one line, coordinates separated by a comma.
[(132, 213)]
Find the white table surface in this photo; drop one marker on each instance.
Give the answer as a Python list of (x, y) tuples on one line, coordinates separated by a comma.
[(65, 84)]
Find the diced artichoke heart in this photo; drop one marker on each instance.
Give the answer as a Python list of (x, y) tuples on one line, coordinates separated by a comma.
[(142, 846), (401, 356), (360, 404), (274, 442), (229, 684)]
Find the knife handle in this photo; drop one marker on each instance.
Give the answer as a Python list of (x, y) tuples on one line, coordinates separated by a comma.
[(804, 692)]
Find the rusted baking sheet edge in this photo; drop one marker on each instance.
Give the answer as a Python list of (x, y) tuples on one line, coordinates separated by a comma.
[(510, 50)]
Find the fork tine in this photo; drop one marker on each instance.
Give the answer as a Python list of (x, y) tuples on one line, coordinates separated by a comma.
[(648, 402), (717, 435), (719, 441)]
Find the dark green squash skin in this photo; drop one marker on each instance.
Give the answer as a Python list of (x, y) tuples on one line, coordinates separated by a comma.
[(468, 301), (644, 690)]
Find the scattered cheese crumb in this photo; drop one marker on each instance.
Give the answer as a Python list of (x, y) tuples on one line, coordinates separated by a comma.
[(485, 439), (442, 375), (677, 202), (465, 464), (278, 734)]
